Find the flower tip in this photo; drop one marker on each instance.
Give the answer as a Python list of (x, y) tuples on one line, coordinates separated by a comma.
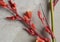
[(39, 14), (28, 14), (11, 18), (40, 40)]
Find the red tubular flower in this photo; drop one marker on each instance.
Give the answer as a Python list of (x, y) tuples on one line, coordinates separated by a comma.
[(28, 14), (47, 28), (40, 14), (49, 31), (11, 18), (26, 19), (40, 40), (3, 4), (41, 17), (32, 30), (33, 25), (12, 5)]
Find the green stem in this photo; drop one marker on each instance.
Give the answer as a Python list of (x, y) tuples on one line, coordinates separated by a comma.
[(52, 18)]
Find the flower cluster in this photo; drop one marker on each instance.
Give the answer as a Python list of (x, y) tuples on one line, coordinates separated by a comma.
[(26, 19)]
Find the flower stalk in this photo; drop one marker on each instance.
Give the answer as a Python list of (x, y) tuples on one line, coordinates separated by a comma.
[(52, 19)]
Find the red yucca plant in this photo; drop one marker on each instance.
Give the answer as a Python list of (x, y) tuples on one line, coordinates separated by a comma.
[(26, 19)]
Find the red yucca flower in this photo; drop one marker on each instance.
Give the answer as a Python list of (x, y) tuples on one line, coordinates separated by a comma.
[(47, 28), (11, 18), (26, 19), (28, 14), (39, 40), (12, 5), (3, 4), (32, 31)]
